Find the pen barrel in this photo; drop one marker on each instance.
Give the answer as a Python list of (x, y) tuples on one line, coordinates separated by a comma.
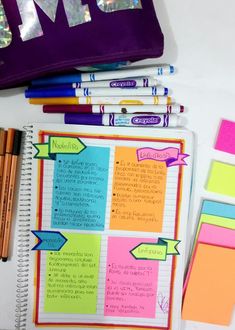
[(4, 193), (1, 173), (134, 100), (9, 208)]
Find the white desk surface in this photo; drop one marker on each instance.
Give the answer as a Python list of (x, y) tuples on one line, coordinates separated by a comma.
[(199, 41)]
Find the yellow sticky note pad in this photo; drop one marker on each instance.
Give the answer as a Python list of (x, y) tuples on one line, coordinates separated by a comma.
[(222, 179), (72, 276)]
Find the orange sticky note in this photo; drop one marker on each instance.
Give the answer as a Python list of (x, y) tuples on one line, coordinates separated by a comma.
[(210, 295), (138, 194)]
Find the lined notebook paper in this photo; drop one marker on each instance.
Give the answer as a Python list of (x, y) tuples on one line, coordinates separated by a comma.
[(119, 198)]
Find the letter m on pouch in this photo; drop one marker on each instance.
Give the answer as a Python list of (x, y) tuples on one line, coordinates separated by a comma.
[(76, 13)]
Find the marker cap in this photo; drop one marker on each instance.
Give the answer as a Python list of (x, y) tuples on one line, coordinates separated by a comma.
[(83, 119), (17, 143), (83, 108)]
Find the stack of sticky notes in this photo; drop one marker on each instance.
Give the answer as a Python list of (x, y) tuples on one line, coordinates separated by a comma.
[(209, 289)]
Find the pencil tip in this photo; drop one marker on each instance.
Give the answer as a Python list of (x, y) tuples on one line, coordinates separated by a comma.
[(4, 259)]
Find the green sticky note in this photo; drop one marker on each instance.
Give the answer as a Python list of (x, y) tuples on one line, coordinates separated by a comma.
[(72, 275), (222, 179), (217, 221)]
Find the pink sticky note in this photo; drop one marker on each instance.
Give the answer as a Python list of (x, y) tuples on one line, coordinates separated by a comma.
[(214, 235), (226, 137), (131, 285)]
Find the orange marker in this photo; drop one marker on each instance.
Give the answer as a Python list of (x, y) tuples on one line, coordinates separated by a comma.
[(5, 183), (7, 230), (3, 137)]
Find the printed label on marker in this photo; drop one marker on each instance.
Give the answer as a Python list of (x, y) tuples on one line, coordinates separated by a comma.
[(123, 83)]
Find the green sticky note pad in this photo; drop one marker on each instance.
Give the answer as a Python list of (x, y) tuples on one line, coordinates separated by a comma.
[(222, 179), (72, 275)]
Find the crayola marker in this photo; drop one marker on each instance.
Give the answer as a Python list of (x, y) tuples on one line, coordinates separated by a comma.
[(136, 100), (131, 120)]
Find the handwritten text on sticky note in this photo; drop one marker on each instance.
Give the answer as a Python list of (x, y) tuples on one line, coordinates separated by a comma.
[(80, 190), (72, 275), (131, 284), (138, 195)]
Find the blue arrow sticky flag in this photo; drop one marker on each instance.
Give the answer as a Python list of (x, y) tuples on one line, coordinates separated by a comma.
[(49, 240)]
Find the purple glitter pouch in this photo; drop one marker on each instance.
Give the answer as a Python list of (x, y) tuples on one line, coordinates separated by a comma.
[(39, 37)]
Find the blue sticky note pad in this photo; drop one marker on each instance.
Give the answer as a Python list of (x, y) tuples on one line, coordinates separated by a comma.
[(80, 190), (218, 209)]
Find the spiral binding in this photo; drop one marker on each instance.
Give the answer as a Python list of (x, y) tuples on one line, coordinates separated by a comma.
[(24, 230)]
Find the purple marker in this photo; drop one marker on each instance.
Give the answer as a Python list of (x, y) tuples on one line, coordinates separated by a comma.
[(113, 119)]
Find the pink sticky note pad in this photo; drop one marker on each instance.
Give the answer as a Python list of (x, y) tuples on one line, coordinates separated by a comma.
[(226, 137), (214, 235), (131, 285)]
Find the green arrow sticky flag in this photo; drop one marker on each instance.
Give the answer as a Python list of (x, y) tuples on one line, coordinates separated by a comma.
[(58, 145), (42, 151), (158, 251), (65, 145)]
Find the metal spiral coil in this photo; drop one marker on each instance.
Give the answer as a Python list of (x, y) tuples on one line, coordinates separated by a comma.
[(24, 216)]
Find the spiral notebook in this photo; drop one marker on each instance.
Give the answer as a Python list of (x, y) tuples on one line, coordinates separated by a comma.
[(102, 227)]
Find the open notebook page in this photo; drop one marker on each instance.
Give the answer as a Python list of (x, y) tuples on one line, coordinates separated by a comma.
[(101, 283)]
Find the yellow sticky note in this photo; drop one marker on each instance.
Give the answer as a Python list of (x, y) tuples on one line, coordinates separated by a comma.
[(222, 179), (72, 276), (138, 195), (211, 289)]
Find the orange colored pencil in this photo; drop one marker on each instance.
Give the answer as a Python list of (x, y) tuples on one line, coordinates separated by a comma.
[(12, 187), (5, 183)]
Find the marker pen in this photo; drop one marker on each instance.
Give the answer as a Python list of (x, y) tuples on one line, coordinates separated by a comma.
[(79, 92), (118, 83), (138, 120), (157, 70), (136, 100), (86, 108)]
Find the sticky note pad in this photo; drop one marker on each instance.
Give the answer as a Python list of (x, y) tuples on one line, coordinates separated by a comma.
[(72, 275), (138, 194), (211, 289), (215, 235), (222, 179), (131, 284), (219, 209), (226, 137), (80, 190)]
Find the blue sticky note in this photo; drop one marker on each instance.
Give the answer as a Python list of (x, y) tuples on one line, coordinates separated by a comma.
[(218, 209), (80, 190)]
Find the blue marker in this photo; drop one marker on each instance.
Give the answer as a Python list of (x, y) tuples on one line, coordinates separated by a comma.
[(79, 92), (157, 70), (118, 83)]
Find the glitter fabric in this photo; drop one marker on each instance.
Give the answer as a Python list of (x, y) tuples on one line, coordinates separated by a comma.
[(43, 42), (115, 5), (31, 27), (76, 12), (49, 7), (5, 32)]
